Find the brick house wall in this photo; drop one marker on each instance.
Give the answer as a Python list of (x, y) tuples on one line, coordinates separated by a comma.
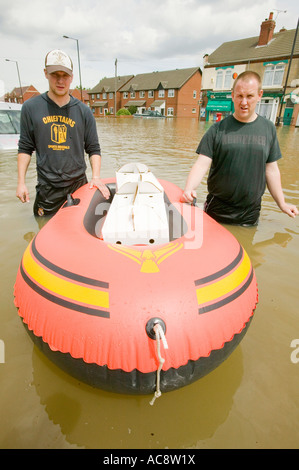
[(76, 93), (15, 96), (102, 96), (176, 102), (189, 96), (30, 92), (102, 105)]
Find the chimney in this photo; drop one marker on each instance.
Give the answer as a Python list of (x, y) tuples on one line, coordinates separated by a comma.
[(267, 29), (205, 59)]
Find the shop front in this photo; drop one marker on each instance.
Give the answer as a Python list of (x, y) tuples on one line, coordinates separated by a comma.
[(268, 105), (219, 106)]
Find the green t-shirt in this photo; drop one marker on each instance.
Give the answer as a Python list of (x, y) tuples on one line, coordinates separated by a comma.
[(237, 179)]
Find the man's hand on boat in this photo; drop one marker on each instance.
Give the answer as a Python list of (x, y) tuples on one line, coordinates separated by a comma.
[(97, 182), (188, 195)]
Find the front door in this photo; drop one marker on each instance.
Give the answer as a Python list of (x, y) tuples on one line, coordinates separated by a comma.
[(287, 116)]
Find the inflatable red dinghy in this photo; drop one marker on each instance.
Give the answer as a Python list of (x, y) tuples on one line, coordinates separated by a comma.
[(136, 294)]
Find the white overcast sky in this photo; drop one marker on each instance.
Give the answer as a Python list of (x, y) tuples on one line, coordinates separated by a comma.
[(144, 35)]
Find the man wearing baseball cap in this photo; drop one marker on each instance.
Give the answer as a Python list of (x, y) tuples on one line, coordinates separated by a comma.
[(60, 128), (58, 61)]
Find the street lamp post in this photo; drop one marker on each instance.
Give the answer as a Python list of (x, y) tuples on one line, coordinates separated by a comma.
[(9, 60), (68, 37), (115, 86)]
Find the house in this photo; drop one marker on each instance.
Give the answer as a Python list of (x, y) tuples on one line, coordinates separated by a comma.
[(105, 97), (269, 55), (173, 93), (76, 93), (19, 95)]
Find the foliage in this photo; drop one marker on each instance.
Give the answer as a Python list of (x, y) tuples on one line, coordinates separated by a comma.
[(122, 112), (132, 109)]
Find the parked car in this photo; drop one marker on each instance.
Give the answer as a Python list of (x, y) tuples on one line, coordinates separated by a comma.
[(10, 116), (149, 114)]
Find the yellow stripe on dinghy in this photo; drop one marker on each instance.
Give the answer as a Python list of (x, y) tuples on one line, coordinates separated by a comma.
[(61, 287), (226, 285)]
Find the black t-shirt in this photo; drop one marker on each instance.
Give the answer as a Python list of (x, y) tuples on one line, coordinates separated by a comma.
[(237, 180)]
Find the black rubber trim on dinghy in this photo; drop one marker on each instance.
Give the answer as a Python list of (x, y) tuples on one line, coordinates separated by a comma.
[(136, 382)]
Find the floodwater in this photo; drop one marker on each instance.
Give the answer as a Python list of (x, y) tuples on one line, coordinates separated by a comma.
[(250, 401)]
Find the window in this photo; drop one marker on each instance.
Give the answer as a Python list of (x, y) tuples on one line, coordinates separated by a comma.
[(224, 79), (141, 94), (98, 95), (194, 94), (193, 110), (151, 93), (132, 94), (10, 122), (111, 110), (273, 75), (125, 95), (104, 96), (219, 79), (228, 79), (161, 93), (110, 96), (268, 107), (170, 111), (170, 93)]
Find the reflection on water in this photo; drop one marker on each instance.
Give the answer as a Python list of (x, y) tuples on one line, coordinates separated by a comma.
[(250, 401), (140, 426)]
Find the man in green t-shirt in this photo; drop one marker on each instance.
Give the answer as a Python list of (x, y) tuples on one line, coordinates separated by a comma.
[(242, 152)]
